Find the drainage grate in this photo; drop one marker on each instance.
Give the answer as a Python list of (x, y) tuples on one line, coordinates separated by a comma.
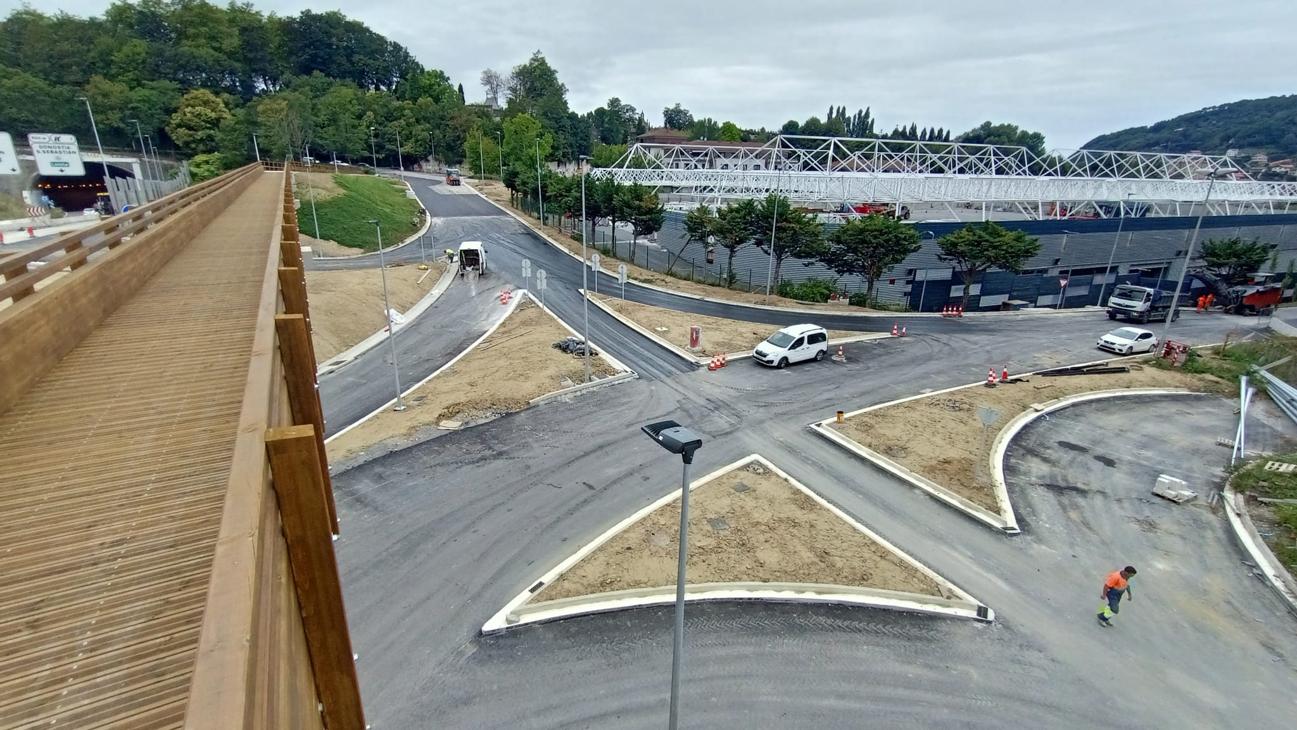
[(718, 523)]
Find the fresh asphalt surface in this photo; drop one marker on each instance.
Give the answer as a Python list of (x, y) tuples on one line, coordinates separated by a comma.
[(438, 536)]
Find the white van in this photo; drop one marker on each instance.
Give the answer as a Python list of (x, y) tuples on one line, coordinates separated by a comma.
[(797, 343)]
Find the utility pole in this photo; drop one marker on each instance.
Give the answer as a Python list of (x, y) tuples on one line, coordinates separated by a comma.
[(585, 294), (255, 149), (387, 314), (311, 188), (103, 166), (1121, 221), (399, 163), (770, 269), (144, 167), (500, 149), (481, 158), (1188, 254), (372, 153), (539, 194)]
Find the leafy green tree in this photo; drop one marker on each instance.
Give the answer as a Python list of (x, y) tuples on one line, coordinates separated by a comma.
[(868, 247), (677, 117), (640, 207), (1232, 259), (1003, 134), (797, 234), (730, 132), (700, 223), (606, 155), (734, 228), (205, 166), (979, 247), (522, 134), (197, 120)]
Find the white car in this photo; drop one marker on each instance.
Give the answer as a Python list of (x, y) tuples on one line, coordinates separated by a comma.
[(1127, 340), (797, 343)]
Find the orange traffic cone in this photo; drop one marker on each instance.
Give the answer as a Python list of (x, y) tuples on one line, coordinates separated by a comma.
[(990, 378), (1004, 374), (902, 330), (896, 332), (724, 360)]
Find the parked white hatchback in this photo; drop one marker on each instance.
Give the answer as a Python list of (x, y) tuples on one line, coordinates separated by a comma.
[(797, 343), (1127, 340)]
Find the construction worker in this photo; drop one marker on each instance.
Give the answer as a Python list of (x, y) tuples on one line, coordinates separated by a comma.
[(1116, 586), (1202, 302), (450, 255), (1211, 299)]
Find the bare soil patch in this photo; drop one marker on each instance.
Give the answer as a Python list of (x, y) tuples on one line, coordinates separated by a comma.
[(325, 247), (501, 375), (322, 184), (720, 335), (748, 525), (948, 437), (347, 306), (494, 191)]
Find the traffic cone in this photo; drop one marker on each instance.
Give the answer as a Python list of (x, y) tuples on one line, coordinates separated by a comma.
[(990, 378), (896, 332), (959, 311), (902, 330), (945, 311), (724, 359), (841, 356), (1004, 374), (31, 232)]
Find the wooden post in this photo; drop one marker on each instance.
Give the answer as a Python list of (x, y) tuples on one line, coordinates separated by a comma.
[(293, 288), (290, 252), (299, 373), (297, 474), (13, 272)]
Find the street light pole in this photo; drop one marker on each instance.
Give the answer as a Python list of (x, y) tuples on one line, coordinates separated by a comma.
[(103, 166), (1121, 221), (1188, 255), (924, 289), (540, 195), (255, 149), (481, 156), (678, 440), (770, 268), (1062, 296), (144, 167), (399, 162), (311, 188), (387, 314), (373, 154), (157, 165), (500, 148), (585, 294)]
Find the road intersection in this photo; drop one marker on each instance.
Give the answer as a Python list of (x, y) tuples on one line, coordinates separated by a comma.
[(438, 536)]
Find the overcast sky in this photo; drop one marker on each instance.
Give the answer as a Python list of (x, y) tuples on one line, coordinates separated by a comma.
[(1072, 72)]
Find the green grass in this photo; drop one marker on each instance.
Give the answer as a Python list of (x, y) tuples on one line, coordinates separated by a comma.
[(1253, 479), (345, 218), (11, 206), (1234, 359)]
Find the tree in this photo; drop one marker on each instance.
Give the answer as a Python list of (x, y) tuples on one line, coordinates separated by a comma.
[(205, 166), (796, 234), (493, 82), (677, 117), (730, 132), (1005, 134), (978, 247), (522, 133), (734, 227), (640, 207), (1232, 259), (196, 122), (700, 223), (868, 247), (461, 93), (606, 155)]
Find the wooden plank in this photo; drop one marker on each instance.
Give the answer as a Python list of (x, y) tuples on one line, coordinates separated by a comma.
[(293, 289), (298, 478), (303, 398)]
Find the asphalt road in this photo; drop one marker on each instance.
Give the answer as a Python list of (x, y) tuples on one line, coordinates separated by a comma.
[(438, 536)]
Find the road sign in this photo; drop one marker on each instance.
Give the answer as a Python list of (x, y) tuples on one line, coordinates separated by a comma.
[(621, 273), (56, 154), (526, 268), (8, 158), (594, 262), (1062, 281), (542, 283)]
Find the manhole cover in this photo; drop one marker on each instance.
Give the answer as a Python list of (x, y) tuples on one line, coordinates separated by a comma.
[(718, 523), (741, 487)]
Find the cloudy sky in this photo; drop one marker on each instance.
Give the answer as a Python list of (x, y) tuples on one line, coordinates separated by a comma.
[(1072, 73)]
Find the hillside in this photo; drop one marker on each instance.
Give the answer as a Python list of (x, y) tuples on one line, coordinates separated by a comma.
[(1253, 125)]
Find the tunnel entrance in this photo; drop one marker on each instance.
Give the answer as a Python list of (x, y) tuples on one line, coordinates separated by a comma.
[(76, 193)]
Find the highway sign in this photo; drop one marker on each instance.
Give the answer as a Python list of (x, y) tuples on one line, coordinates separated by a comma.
[(8, 158), (56, 154), (526, 268), (594, 262), (541, 280), (621, 273)]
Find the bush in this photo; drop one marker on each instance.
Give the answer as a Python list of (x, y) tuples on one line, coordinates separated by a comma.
[(206, 166), (811, 290), (859, 299)]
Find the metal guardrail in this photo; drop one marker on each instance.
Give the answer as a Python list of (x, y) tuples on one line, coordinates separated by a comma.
[(1283, 394)]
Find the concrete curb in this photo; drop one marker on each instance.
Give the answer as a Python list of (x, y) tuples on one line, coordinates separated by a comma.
[(519, 295), (345, 357), (1000, 447), (689, 357), (516, 613), (1250, 540), (582, 387), (427, 223), (1282, 327)]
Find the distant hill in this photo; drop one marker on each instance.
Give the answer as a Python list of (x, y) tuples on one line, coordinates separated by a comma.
[(1254, 125)]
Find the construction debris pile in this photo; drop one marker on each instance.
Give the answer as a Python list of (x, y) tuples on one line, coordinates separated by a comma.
[(574, 345), (1102, 368)]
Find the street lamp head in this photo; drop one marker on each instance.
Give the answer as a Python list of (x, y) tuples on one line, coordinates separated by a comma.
[(674, 438), (372, 221)]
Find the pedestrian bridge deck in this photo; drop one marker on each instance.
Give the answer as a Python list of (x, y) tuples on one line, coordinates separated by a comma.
[(114, 469)]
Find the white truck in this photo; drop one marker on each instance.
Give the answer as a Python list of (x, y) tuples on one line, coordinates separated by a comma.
[(472, 256), (1141, 304)]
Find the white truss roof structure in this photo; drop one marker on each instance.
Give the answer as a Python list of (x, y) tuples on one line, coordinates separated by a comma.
[(835, 170)]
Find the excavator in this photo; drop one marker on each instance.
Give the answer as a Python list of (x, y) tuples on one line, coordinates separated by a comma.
[(1260, 295)]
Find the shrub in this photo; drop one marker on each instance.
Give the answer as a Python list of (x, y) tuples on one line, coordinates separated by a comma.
[(859, 299), (205, 166), (811, 290)]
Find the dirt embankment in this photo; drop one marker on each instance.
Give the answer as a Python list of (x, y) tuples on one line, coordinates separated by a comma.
[(719, 335), (948, 437), (748, 525), (347, 306), (500, 194), (502, 374)]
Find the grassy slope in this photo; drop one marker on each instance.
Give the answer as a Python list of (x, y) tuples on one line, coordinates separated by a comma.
[(11, 206), (345, 218), (1253, 479)]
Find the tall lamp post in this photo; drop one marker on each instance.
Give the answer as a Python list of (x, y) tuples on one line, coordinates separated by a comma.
[(924, 289), (1062, 295), (399, 162), (540, 195), (585, 285), (311, 189), (1188, 254), (500, 148), (770, 267), (157, 164), (95, 128), (373, 153), (139, 132), (678, 440), (1121, 221), (255, 149), (387, 314)]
